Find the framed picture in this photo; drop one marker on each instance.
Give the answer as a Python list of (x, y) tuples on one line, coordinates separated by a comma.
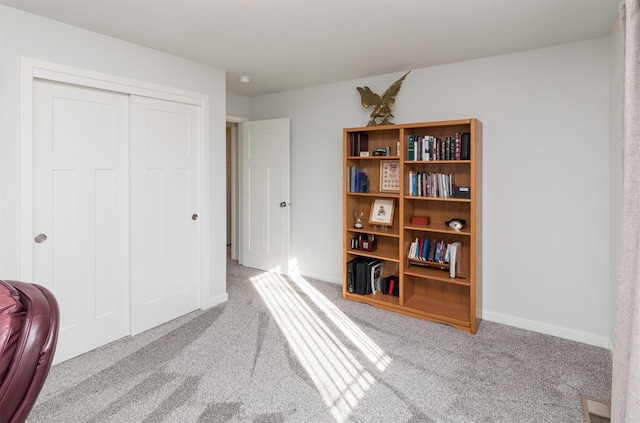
[(389, 176), (381, 211)]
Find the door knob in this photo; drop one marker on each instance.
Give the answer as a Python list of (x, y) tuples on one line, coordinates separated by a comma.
[(194, 217), (283, 204), (40, 238)]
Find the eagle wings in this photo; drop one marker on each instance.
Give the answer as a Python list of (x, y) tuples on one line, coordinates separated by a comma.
[(382, 105)]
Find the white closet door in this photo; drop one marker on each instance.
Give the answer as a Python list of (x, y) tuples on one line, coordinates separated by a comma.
[(80, 211), (165, 204)]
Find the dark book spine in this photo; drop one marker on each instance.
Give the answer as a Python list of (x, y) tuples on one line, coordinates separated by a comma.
[(432, 250), (351, 283), (465, 147), (447, 148), (352, 144), (364, 142), (410, 151)]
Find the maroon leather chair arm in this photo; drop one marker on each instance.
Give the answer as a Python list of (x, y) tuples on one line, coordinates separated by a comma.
[(33, 353)]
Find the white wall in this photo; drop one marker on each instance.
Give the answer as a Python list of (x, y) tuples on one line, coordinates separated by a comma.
[(546, 176), (238, 105), (24, 34)]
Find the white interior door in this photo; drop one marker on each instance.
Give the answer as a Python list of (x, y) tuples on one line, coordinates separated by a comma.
[(265, 195), (80, 211), (165, 203)]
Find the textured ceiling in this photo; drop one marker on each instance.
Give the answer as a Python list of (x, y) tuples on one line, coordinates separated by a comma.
[(284, 45)]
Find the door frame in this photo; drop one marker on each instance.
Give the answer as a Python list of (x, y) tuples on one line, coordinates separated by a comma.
[(236, 184), (31, 69)]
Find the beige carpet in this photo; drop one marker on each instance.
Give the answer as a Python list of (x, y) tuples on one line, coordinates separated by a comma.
[(291, 350)]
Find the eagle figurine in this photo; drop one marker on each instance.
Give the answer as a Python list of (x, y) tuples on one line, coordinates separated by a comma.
[(382, 105)]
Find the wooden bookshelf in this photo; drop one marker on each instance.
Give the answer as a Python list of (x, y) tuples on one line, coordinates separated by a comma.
[(427, 290)]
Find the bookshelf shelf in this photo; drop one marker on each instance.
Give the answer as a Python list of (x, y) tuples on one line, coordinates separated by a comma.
[(455, 314), (454, 200), (388, 253), (436, 274), (436, 162), (373, 194), (374, 158), (426, 290), (438, 228), (377, 298), (368, 229)]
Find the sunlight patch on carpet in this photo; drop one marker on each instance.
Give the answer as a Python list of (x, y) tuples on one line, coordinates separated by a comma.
[(370, 349), (339, 377)]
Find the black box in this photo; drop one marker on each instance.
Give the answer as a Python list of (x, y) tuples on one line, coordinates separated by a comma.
[(462, 192)]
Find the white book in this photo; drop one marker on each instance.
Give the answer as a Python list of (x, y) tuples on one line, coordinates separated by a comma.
[(454, 258), (376, 275)]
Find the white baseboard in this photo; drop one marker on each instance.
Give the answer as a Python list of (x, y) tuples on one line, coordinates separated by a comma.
[(214, 301), (574, 335), (561, 332), (320, 277)]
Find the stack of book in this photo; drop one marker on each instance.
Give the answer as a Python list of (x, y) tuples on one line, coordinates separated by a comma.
[(358, 180), (358, 143)]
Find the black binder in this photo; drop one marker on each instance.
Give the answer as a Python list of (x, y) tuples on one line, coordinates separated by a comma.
[(351, 274), (363, 275)]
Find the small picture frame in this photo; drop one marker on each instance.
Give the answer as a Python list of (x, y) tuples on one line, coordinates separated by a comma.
[(389, 176), (382, 211)]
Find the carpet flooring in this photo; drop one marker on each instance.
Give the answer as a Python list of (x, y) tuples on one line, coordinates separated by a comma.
[(289, 349)]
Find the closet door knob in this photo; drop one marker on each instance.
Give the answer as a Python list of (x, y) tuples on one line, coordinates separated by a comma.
[(194, 217), (40, 238)]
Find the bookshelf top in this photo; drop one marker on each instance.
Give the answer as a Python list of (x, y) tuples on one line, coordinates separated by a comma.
[(412, 125)]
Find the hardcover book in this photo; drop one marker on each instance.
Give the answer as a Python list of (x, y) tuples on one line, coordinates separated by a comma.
[(465, 147), (369, 276), (376, 276), (425, 249), (410, 148), (454, 258), (362, 277), (362, 142), (432, 250), (351, 275)]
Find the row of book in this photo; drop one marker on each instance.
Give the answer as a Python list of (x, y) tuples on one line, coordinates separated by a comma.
[(432, 251), (358, 142), (365, 277), (358, 180), (427, 184), (428, 147)]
